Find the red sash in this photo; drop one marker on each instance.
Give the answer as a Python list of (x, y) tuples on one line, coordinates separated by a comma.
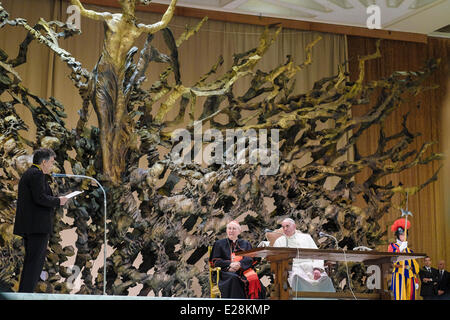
[(254, 287)]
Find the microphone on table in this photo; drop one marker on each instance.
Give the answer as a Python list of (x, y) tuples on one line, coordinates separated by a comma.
[(323, 234), (67, 175)]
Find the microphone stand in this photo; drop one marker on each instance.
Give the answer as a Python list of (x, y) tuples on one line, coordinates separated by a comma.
[(60, 175), (323, 234)]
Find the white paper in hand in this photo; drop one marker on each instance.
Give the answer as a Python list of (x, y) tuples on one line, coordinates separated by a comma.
[(73, 194)]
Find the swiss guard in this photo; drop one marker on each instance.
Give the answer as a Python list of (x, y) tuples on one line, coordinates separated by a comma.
[(405, 279)]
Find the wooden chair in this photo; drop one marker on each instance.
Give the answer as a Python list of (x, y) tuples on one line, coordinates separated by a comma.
[(273, 236), (214, 285)]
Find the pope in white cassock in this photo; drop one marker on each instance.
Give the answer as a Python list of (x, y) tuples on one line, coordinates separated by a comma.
[(306, 274)]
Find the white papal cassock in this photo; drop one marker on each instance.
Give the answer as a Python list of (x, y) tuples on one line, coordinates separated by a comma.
[(301, 277)]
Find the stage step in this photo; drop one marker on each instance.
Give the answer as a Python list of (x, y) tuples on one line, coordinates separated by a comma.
[(56, 296)]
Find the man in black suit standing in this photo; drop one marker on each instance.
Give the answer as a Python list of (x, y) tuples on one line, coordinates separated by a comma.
[(429, 279), (34, 216), (443, 282)]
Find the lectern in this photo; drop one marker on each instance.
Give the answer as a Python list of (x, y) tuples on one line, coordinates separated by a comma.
[(281, 259)]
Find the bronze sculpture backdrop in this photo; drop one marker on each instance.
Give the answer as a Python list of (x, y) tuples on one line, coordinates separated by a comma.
[(172, 229)]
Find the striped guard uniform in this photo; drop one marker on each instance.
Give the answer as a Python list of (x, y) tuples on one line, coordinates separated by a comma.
[(404, 276)]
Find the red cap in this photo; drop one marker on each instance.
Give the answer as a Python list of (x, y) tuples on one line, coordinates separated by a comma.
[(400, 223)]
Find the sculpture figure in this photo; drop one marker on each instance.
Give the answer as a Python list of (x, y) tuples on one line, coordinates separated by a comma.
[(111, 90)]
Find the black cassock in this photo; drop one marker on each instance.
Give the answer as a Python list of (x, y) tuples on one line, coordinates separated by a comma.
[(233, 284)]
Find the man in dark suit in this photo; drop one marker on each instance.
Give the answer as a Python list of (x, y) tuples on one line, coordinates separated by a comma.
[(429, 279), (34, 216), (443, 281)]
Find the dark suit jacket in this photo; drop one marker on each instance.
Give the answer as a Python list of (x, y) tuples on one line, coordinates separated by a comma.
[(429, 288), (35, 204), (444, 282), (221, 254)]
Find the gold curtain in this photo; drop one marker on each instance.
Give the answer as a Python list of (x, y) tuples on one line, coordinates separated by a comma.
[(430, 230)]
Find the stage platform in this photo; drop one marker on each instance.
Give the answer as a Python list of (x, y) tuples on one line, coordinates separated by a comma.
[(56, 296)]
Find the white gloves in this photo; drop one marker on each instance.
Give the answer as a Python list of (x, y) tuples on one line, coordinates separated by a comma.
[(403, 245), (417, 286)]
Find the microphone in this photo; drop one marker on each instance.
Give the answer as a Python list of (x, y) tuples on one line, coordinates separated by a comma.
[(67, 175), (58, 175), (323, 234)]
